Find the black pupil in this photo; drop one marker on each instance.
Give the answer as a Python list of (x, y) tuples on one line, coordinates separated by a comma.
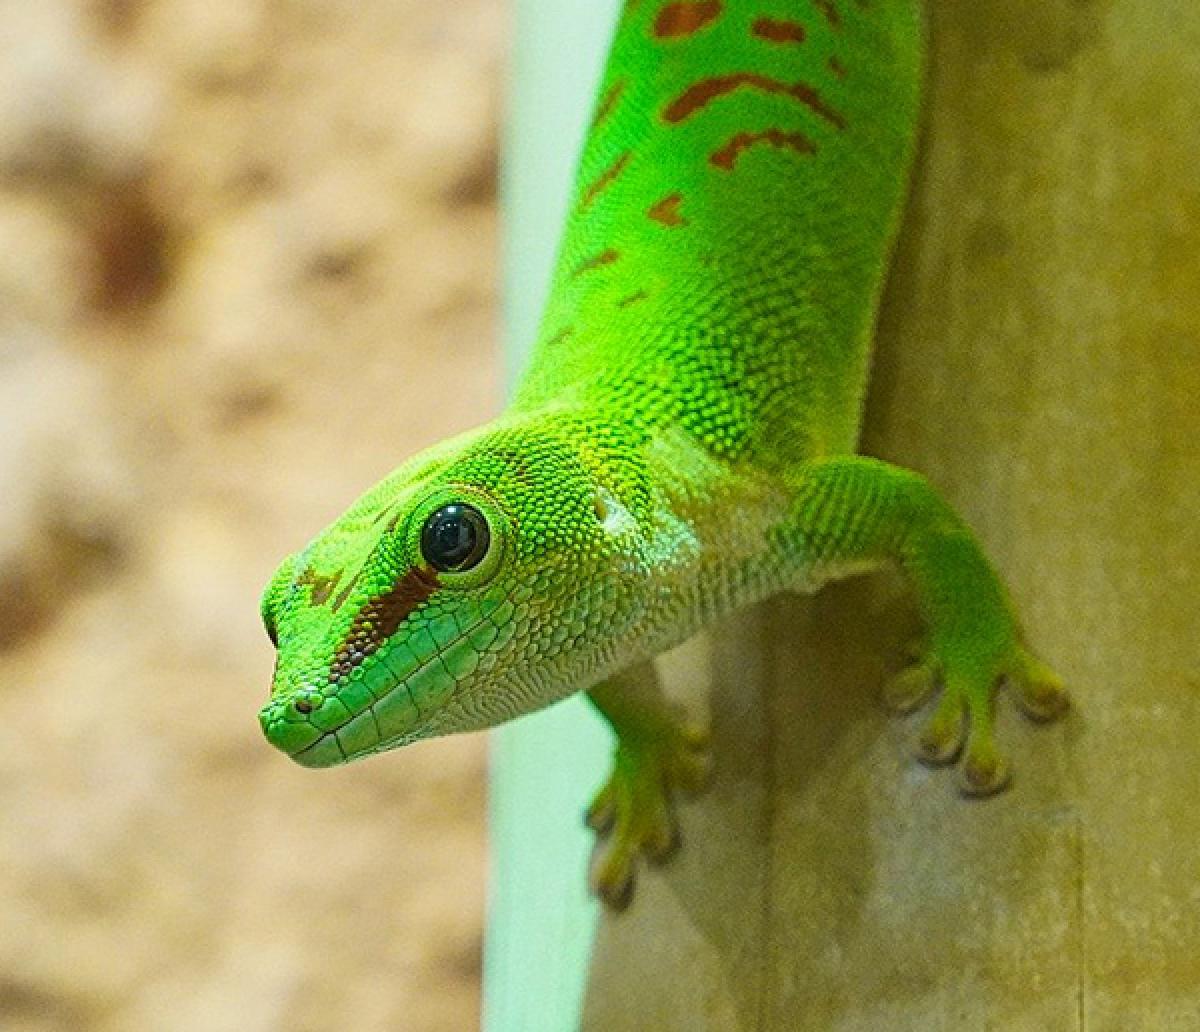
[(455, 537)]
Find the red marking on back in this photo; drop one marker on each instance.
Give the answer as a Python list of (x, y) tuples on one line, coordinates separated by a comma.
[(605, 257), (560, 336), (776, 31), (606, 178), (609, 101), (830, 12), (633, 299), (837, 68), (666, 211), (727, 156), (686, 19), (700, 94)]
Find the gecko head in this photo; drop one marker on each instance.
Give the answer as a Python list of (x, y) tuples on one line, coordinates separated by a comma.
[(477, 582)]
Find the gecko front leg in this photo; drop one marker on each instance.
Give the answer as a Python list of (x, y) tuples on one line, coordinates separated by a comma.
[(852, 510), (658, 752)]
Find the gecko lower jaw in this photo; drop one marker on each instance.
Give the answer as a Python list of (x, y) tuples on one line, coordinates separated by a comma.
[(374, 708), (289, 725), (346, 743), (323, 737), (318, 730), (326, 751)]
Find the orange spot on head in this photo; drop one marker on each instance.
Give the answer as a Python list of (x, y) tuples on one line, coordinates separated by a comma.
[(777, 31), (344, 594), (322, 586), (727, 157), (837, 68), (666, 211), (686, 19)]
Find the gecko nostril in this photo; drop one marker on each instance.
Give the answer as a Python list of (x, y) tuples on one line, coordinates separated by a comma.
[(306, 702)]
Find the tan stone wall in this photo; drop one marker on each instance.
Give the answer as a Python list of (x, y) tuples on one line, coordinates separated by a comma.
[(246, 266)]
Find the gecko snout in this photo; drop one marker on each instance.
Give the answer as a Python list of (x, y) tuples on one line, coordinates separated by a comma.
[(292, 723)]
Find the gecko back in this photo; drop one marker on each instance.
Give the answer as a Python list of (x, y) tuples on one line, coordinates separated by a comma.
[(736, 202)]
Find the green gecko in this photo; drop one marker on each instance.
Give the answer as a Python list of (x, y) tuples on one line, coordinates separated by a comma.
[(682, 442)]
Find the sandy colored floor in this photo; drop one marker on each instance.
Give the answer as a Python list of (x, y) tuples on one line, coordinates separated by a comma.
[(247, 264)]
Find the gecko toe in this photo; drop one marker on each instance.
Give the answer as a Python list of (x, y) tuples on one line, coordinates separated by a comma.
[(1038, 690), (910, 689), (634, 814), (602, 813), (612, 874), (984, 772), (664, 843), (942, 740)]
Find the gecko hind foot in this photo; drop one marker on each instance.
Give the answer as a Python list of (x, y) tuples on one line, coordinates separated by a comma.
[(962, 722), (633, 815)]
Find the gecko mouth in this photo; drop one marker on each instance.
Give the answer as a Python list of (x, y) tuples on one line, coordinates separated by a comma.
[(319, 730), (381, 705)]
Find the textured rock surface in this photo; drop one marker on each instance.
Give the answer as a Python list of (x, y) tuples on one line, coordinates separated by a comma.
[(246, 266)]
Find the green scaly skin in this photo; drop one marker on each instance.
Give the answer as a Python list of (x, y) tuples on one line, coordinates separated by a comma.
[(682, 441)]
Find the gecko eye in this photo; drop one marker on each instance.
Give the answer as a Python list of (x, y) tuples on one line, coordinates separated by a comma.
[(455, 538)]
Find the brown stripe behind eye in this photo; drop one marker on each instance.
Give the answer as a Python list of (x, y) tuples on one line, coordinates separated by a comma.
[(381, 617)]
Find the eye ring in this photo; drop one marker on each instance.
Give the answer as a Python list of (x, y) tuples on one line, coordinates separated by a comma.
[(455, 538)]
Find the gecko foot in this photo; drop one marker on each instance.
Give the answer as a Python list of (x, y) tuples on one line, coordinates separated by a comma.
[(962, 722), (633, 815)]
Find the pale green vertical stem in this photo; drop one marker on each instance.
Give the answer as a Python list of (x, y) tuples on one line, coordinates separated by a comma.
[(544, 767)]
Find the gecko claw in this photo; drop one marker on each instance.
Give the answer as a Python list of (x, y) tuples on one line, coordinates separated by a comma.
[(633, 814), (910, 689), (962, 724), (941, 742), (1037, 690), (602, 814), (985, 772), (611, 876)]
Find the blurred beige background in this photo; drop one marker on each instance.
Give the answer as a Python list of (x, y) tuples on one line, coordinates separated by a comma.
[(247, 264)]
